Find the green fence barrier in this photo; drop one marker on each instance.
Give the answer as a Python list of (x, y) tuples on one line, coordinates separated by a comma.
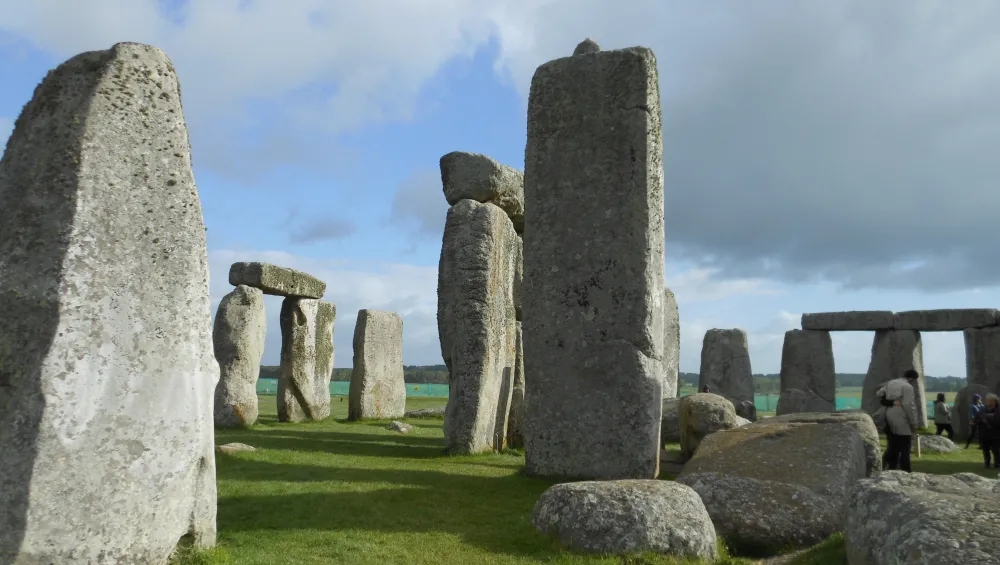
[(269, 387)]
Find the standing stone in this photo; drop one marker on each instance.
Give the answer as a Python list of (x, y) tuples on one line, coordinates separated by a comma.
[(476, 321), (808, 378), (477, 177), (518, 277), (297, 380), (238, 336), (377, 387), (893, 352), (982, 357), (725, 368), (593, 267), (515, 423), (326, 315), (106, 367), (671, 344)]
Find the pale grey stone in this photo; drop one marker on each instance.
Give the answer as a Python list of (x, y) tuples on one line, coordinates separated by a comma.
[(921, 519), (107, 372), (436, 412), (297, 380), (515, 423), (858, 420), (795, 401), (518, 277), (377, 387), (933, 444), (231, 448), (725, 368), (982, 357), (670, 421), (280, 281), (401, 427), (945, 320), (326, 316), (478, 177), (741, 421), (627, 517), (893, 353), (671, 344), (476, 322), (771, 486), (586, 46), (700, 415), (238, 337), (857, 320), (808, 378), (961, 411), (593, 267)]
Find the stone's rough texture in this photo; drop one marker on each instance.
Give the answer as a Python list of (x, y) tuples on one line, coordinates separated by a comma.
[(436, 412), (504, 401), (231, 448), (982, 357), (326, 316), (670, 421), (961, 413), (107, 375), (948, 320), (725, 368), (297, 381), (276, 280), (586, 46), (477, 177), (808, 379), (515, 423), (862, 320), (769, 486), (401, 427), (858, 420), (741, 421), (627, 517), (238, 336), (377, 386), (593, 267), (934, 444), (921, 519), (893, 353), (702, 414), (476, 322), (518, 277), (671, 344)]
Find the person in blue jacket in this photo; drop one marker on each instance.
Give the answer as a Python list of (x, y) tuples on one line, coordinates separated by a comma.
[(974, 410)]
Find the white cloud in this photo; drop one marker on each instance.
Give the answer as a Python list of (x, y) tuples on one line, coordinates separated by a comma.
[(700, 284)]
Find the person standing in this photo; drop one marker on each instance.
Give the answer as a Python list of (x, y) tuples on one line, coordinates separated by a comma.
[(988, 424), (942, 416), (974, 409), (901, 419)]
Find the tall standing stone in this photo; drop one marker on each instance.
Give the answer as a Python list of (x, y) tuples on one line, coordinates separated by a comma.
[(106, 367), (893, 353), (671, 344), (476, 321), (326, 315), (725, 368), (808, 377), (982, 357), (515, 423), (593, 267), (297, 379), (238, 336), (377, 386)]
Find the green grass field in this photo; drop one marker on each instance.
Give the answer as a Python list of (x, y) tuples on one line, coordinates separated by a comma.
[(342, 492)]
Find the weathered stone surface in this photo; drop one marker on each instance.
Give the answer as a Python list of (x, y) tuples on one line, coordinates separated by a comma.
[(297, 380), (725, 368), (107, 373), (858, 320), (593, 267), (231, 448), (504, 401), (477, 177), (858, 420), (770, 486), (808, 378), (436, 412), (961, 413), (982, 357), (922, 519), (476, 321), (741, 421), (934, 444), (515, 423), (518, 277), (326, 316), (586, 46), (280, 281), (702, 414), (893, 353), (401, 427), (627, 517), (238, 337), (377, 386), (670, 421), (945, 320), (671, 344)]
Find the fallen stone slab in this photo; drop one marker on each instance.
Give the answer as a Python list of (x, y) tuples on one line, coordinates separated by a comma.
[(280, 281), (701, 415), (855, 320), (857, 419), (238, 338), (401, 427), (231, 448), (477, 177), (377, 387), (627, 517), (922, 519), (934, 444), (436, 412), (945, 320)]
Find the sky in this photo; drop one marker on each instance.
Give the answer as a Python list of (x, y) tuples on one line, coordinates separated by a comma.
[(819, 155)]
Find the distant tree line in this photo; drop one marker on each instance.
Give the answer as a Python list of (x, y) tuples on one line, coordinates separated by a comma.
[(416, 374), (771, 383)]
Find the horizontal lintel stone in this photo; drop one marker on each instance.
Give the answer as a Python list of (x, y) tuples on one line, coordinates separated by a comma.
[(856, 320)]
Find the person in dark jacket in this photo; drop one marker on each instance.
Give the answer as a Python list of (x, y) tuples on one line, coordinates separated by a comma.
[(974, 409), (942, 416), (706, 389), (988, 428)]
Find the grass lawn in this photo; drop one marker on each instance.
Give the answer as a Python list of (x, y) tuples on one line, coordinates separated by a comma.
[(350, 492)]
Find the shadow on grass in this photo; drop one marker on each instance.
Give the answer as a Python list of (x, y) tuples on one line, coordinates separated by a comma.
[(339, 443)]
